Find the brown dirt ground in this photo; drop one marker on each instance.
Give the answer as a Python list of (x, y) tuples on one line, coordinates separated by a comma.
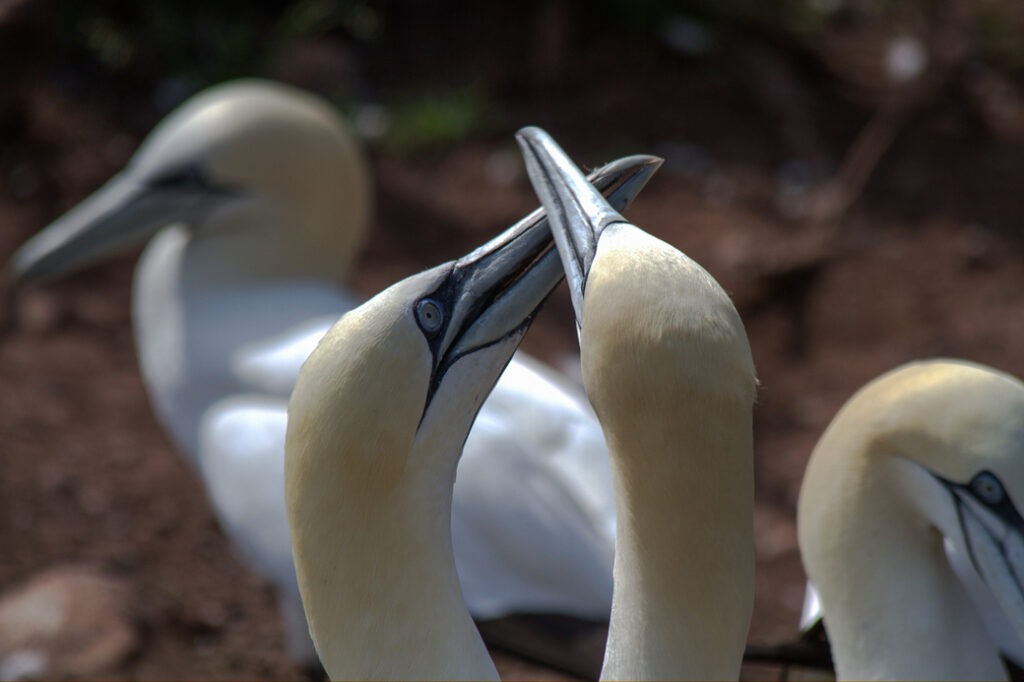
[(927, 263)]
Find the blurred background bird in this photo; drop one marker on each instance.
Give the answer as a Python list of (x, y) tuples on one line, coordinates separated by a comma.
[(860, 206)]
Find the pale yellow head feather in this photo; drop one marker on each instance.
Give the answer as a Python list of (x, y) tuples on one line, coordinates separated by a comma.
[(951, 418)]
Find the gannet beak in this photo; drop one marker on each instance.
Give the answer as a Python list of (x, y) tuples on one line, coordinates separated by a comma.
[(993, 530), (577, 212), (493, 292), (121, 214)]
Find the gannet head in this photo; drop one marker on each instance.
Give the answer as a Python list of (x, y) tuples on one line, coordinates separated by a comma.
[(668, 369), (641, 304), (266, 176), (938, 447), (375, 429)]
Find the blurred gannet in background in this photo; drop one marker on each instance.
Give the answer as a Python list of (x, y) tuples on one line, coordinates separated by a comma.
[(929, 454), (376, 424), (259, 201), (667, 366)]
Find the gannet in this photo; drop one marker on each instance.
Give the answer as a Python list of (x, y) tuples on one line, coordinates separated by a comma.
[(668, 369), (376, 424), (258, 198), (928, 454)]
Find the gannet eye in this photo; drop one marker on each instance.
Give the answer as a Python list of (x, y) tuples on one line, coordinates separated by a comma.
[(429, 315), (987, 488)]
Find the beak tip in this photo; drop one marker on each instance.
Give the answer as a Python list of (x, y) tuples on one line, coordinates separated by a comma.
[(527, 132), (25, 267), (14, 270), (534, 140)]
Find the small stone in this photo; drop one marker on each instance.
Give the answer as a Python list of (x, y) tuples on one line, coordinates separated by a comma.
[(70, 621)]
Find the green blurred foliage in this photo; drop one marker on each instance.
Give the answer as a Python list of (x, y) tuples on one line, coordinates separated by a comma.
[(431, 120), (220, 39), (306, 18), (207, 42), (999, 27), (194, 45)]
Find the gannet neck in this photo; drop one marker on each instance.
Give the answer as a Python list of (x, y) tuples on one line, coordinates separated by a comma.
[(370, 519), (873, 518), (885, 628), (189, 331), (159, 314), (668, 369)]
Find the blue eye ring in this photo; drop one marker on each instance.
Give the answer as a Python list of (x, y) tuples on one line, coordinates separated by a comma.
[(429, 315), (987, 488)]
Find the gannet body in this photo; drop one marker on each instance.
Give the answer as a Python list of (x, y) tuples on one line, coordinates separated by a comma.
[(376, 424), (667, 366), (257, 201), (928, 454)]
